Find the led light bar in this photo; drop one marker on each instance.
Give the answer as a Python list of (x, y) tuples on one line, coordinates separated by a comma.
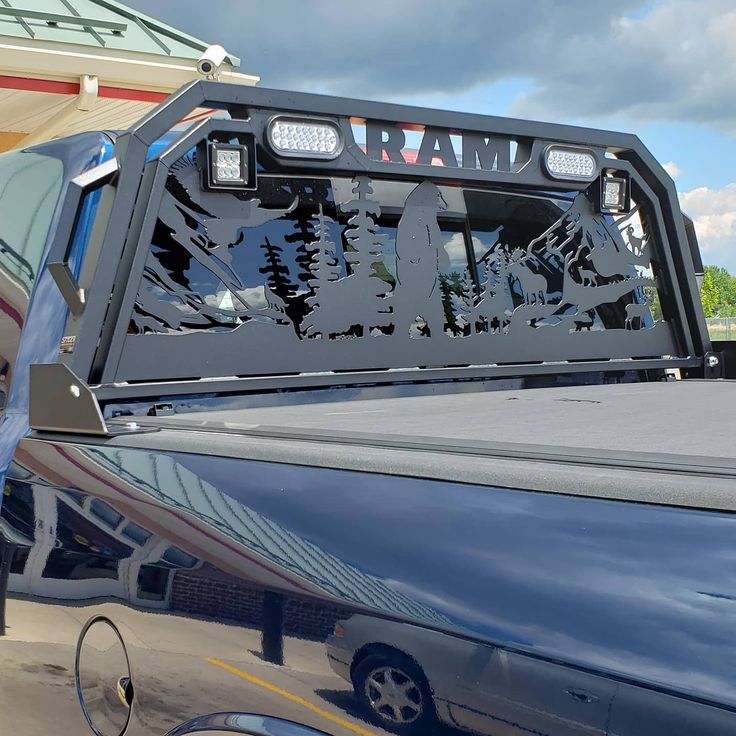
[(304, 137), (574, 164)]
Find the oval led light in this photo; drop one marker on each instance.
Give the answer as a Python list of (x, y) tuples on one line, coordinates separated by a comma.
[(304, 138), (576, 164)]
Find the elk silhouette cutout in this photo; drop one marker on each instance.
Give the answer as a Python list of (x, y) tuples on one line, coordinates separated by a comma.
[(533, 286)]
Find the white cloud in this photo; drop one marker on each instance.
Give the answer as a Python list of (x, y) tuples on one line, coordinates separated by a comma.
[(669, 60), (714, 213), (672, 169)]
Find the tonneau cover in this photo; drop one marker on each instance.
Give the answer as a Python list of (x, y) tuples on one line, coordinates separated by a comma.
[(669, 443)]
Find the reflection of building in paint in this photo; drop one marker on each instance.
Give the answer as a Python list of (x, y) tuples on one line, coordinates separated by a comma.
[(72, 545), (175, 485)]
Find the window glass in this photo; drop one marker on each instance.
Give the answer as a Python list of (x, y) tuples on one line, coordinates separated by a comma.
[(29, 190), (85, 550), (136, 533), (105, 512), (152, 582), (18, 510), (18, 564), (178, 558)]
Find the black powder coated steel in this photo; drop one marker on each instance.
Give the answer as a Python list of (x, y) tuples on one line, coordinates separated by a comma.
[(343, 266)]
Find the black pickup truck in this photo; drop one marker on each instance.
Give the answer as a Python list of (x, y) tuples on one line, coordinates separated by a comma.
[(329, 416)]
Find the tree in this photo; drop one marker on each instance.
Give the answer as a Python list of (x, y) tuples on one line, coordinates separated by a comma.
[(491, 311), (709, 295), (324, 266), (365, 244), (277, 274), (458, 294), (719, 298)]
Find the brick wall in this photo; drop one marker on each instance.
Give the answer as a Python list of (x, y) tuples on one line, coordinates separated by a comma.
[(213, 594)]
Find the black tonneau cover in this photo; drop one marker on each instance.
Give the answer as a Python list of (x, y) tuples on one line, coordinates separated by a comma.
[(680, 421), (668, 443)]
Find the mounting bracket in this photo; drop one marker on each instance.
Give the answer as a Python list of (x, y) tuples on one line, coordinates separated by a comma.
[(714, 365), (61, 402)]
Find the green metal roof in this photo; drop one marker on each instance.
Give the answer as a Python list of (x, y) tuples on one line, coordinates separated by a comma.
[(98, 23)]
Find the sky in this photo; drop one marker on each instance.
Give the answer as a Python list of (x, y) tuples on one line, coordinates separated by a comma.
[(665, 70)]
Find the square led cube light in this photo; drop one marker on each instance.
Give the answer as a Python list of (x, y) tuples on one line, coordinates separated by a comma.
[(615, 195), (228, 165)]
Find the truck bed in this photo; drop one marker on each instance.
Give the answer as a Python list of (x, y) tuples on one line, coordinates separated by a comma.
[(670, 443)]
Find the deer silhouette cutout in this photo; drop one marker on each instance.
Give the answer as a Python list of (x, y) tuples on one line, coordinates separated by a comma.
[(637, 313)]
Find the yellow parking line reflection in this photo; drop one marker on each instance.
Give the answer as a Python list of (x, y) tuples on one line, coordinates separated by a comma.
[(293, 698)]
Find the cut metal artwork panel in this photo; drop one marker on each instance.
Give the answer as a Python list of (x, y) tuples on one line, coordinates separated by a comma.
[(297, 281)]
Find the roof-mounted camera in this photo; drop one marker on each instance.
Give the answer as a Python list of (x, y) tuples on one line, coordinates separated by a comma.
[(209, 65)]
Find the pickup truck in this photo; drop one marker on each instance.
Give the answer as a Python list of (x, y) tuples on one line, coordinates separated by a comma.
[(332, 416)]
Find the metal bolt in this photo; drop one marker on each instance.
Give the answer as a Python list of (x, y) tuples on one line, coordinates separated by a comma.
[(74, 390), (712, 361)]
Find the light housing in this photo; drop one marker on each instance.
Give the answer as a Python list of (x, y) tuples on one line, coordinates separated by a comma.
[(304, 137), (570, 163), (228, 165), (615, 192)]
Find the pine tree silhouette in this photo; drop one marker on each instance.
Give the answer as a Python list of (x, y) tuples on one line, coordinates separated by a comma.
[(456, 291), (363, 252), (304, 233), (324, 266), (323, 278), (276, 272), (278, 281), (491, 313), (464, 302)]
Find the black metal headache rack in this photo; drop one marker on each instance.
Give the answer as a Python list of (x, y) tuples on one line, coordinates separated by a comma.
[(305, 240)]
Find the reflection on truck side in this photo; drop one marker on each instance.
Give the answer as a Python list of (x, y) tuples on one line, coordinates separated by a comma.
[(408, 677), (225, 606)]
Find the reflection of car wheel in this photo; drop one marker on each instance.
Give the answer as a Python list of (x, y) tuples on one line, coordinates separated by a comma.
[(395, 692)]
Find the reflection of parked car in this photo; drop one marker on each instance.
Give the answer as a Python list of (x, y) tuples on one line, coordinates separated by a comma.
[(387, 680), (409, 677)]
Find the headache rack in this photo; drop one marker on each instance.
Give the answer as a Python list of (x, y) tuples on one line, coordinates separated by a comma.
[(304, 241)]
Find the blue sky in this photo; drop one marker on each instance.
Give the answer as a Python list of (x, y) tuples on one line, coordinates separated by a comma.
[(705, 156), (665, 70)]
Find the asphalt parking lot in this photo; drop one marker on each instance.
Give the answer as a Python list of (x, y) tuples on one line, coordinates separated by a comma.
[(220, 670)]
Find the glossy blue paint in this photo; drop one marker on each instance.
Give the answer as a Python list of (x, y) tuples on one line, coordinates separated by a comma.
[(44, 313), (560, 574), (549, 614)]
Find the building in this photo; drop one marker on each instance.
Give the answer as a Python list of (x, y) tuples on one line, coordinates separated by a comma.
[(73, 65)]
